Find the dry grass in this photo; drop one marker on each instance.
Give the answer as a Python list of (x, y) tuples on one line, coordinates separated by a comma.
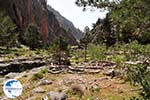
[(109, 89)]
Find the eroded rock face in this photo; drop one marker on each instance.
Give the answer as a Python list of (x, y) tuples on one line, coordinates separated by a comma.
[(24, 12)]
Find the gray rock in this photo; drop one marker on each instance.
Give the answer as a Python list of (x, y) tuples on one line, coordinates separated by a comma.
[(114, 73), (109, 72), (67, 81), (79, 88), (45, 82), (12, 75), (53, 95), (38, 90)]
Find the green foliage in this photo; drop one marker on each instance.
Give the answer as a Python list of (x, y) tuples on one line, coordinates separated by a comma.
[(33, 37), (144, 37), (8, 33), (102, 4), (1, 93), (91, 98), (132, 19), (139, 74), (128, 19), (119, 59), (134, 98), (102, 31), (128, 52), (97, 52), (94, 89), (118, 53), (40, 74), (60, 51), (44, 70), (85, 41)]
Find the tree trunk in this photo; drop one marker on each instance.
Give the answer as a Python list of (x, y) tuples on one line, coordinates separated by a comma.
[(85, 53)]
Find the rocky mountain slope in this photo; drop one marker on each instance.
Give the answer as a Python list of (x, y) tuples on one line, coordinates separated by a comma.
[(65, 23), (24, 12)]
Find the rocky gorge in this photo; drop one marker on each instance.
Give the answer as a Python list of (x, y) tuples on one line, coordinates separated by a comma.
[(24, 12)]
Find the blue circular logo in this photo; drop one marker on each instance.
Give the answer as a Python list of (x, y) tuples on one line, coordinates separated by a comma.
[(12, 88)]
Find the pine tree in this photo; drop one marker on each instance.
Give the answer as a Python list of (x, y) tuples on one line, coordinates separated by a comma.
[(60, 51), (33, 37), (85, 41), (129, 18), (8, 32)]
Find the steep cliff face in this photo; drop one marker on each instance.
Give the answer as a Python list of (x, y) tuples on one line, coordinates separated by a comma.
[(24, 12), (65, 23)]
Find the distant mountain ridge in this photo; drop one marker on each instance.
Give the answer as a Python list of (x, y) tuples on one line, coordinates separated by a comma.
[(66, 24)]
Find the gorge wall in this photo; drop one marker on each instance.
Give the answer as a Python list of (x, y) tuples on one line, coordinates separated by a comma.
[(24, 12)]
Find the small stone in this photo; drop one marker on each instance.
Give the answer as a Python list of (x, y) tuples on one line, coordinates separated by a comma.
[(67, 81), (38, 90), (45, 82), (53, 95)]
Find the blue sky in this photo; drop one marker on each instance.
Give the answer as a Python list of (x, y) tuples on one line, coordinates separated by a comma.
[(80, 19)]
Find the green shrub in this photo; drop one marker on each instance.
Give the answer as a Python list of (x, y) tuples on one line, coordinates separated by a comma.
[(139, 74), (44, 70), (91, 98), (94, 89), (97, 52), (1, 93), (134, 98), (38, 76)]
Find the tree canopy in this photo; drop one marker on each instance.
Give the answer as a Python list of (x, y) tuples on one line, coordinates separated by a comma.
[(8, 31), (33, 36), (129, 19)]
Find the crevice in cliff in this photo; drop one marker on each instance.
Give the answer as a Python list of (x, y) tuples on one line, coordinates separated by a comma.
[(44, 28), (28, 9)]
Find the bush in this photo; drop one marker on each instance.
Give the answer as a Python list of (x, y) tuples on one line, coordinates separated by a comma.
[(97, 52), (60, 51), (38, 76), (134, 98), (139, 74), (33, 36), (119, 59), (94, 89), (44, 70)]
